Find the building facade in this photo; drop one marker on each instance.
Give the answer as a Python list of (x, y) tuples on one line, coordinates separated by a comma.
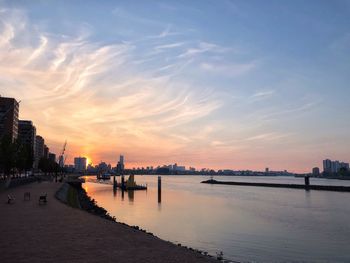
[(79, 164), (333, 167), (46, 151), (121, 161), (315, 171), (39, 149), (27, 137), (9, 109), (52, 157)]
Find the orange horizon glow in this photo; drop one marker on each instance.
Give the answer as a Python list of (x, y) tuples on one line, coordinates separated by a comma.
[(160, 95)]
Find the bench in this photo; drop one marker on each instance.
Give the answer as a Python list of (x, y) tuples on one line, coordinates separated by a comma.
[(10, 199), (42, 199)]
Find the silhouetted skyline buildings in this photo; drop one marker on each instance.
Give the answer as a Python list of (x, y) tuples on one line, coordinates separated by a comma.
[(333, 167), (26, 133), (9, 110), (23, 131)]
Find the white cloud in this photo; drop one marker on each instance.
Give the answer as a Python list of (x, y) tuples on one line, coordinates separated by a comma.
[(88, 92), (222, 68)]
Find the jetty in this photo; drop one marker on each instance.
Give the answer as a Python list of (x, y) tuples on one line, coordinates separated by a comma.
[(306, 186), (129, 184)]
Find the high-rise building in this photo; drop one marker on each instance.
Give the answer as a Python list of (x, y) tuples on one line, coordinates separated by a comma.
[(9, 108), (52, 157), (344, 165), (80, 164), (333, 167), (39, 148), (27, 136), (315, 171), (46, 151), (121, 161), (327, 166)]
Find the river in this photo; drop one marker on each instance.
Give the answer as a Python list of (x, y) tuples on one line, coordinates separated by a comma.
[(249, 224)]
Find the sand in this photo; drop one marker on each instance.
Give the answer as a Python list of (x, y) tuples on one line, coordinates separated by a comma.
[(55, 232)]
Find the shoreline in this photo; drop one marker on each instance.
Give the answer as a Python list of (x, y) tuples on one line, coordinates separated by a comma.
[(57, 232), (88, 204)]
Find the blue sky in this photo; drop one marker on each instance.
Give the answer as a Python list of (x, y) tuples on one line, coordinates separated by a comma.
[(221, 84)]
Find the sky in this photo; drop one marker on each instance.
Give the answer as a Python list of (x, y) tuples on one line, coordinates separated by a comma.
[(212, 84)]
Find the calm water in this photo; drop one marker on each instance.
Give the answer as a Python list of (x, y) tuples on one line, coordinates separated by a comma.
[(249, 224)]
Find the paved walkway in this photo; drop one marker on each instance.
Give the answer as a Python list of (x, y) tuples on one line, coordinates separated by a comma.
[(54, 232)]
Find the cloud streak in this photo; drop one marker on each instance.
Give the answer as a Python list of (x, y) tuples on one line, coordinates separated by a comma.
[(91, 93)]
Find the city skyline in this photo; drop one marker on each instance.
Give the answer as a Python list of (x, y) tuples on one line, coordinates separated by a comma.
[(224, 85)]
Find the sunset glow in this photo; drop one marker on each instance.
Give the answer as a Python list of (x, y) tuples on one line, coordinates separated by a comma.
[(219, 91)]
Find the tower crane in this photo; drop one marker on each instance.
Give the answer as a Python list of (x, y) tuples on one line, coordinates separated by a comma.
[(61, 159)]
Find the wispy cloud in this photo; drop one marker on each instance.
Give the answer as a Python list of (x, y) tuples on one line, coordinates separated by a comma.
[(228, 69), (87, 91), (203, 47), (169, 46)]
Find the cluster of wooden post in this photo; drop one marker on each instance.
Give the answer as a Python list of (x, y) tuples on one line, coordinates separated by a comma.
[(123, 186)]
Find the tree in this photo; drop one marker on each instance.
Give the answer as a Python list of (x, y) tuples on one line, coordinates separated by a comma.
[(343, 171), (48, 166), (7, 155)]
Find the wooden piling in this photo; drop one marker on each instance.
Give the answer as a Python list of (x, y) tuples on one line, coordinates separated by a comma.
[(123, 183), (159, 189), (307, 181)]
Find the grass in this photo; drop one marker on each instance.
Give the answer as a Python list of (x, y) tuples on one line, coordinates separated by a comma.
[(72, 197)]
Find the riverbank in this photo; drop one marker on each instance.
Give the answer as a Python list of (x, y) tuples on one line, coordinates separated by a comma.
[(55, 232), (293, 186)]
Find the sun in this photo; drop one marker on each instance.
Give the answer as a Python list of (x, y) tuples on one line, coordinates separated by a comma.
[(88, 161)]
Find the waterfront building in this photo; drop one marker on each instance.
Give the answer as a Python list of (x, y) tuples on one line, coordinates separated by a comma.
[(47, 152), (315, 171), (327, 166), (79, 164), (39, 149), (333, 167), (9, 109), (121, 161), (181, 168), (344, 165), (102, 167), (27, 137), (177, 168), (52, 157)]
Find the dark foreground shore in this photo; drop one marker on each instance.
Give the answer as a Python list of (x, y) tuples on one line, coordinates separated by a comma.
[(55, 232)]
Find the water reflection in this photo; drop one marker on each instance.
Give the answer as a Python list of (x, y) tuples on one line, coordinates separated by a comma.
[(131, 195), (246, 223)]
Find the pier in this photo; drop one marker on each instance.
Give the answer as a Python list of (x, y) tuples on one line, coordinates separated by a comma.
[(307, 185)]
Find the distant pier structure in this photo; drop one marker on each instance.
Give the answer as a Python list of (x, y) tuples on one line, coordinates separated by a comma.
[(307, 182), (159, 189)]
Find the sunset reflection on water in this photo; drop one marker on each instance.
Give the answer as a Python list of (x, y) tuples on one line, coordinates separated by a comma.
[(246, 223)]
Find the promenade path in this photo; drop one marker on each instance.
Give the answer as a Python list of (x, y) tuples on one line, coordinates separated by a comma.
[(55, 232)]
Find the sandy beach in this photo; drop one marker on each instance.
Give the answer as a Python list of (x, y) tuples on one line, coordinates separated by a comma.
[(55, 232)]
